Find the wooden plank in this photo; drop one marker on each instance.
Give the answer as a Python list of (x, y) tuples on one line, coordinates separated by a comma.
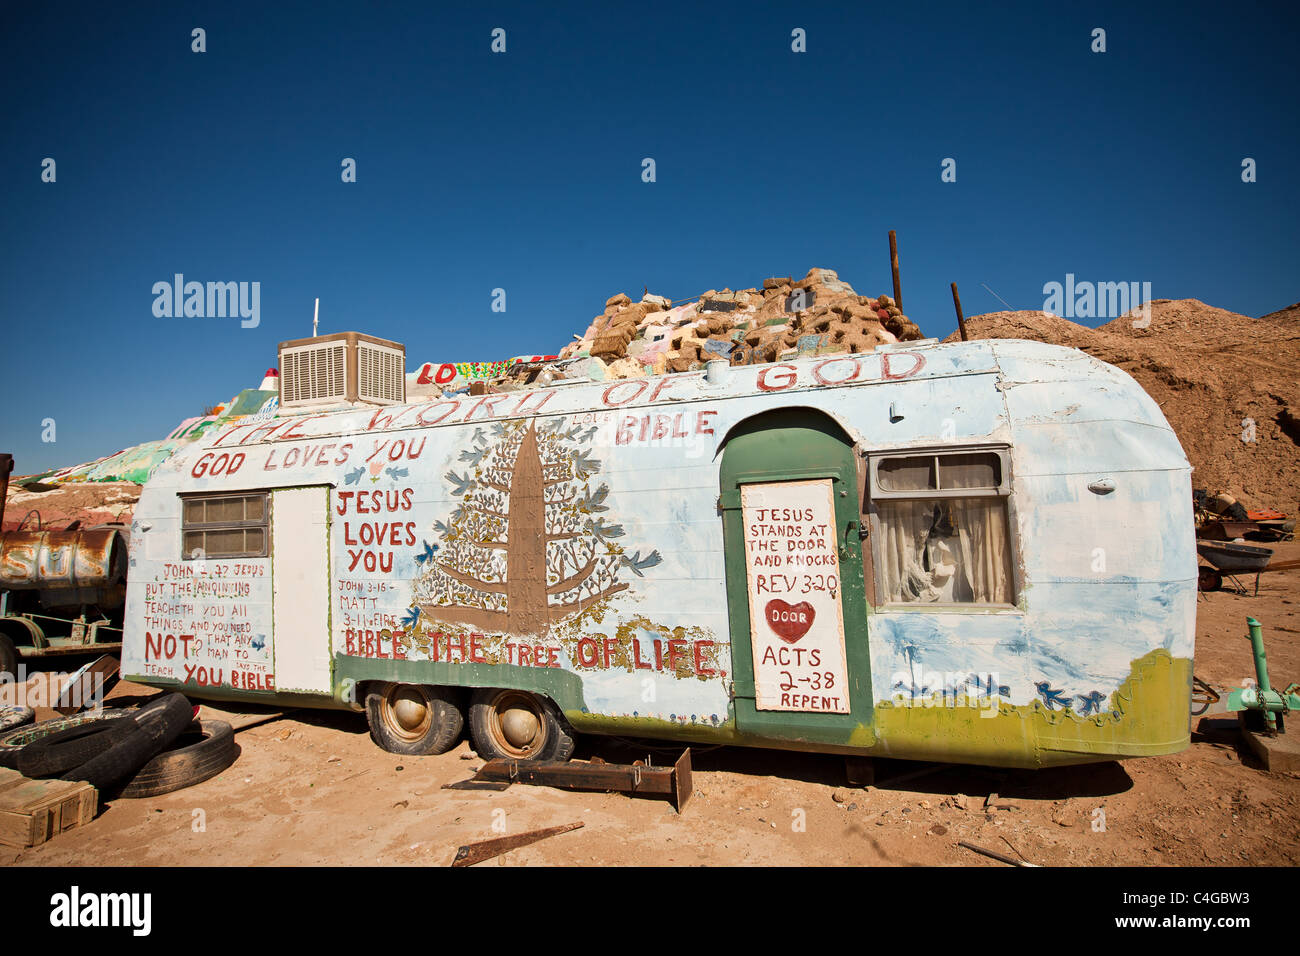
[(9, 778), (36, 810), (1283, 566)]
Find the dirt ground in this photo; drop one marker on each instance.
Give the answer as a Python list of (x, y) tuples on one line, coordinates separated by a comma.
[(311, 788)]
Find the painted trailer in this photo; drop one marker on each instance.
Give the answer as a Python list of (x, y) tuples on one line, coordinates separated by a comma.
[(978, 552)]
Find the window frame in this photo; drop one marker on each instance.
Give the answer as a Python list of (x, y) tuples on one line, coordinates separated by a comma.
[(264, 524), (1002, 489), (872, 492)]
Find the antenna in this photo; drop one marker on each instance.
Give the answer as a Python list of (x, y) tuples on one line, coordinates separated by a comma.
[(315, 317), (998, 297)]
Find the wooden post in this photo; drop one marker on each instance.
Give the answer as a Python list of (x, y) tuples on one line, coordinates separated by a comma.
[(893, 264), (961, 319)]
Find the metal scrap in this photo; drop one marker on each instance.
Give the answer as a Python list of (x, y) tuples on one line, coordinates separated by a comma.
[(673, 782), (472, 853), (994, 854)]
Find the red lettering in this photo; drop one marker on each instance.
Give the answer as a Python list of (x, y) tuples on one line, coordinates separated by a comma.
[(421, 416), (608, 395), (624, 434), (918, 363), (790, 374), (700, 669), (823, 380)]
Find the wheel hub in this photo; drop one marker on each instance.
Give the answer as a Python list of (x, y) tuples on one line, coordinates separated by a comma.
[(519, 726), (409, 713)]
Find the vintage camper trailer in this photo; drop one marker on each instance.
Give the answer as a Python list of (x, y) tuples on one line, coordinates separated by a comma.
[(977, 552)]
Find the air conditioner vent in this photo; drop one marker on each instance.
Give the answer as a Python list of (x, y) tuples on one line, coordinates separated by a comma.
[(381, 374), (314, 374), (343, 368)]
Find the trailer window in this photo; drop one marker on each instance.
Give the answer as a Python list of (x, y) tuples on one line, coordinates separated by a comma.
[(941, 530), (224, 526)]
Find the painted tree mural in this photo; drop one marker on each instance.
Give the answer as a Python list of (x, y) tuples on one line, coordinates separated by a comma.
[(529, 544)]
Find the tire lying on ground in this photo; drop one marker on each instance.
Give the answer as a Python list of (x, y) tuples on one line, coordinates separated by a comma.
[(165, 717), (153, 728), (14, 741), (200, 753), (57, 753), (11, 716)]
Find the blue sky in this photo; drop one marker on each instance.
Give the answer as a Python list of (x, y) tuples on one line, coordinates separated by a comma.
[(522, 171)]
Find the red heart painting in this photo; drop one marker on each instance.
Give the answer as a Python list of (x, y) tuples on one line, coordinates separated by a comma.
[(789, 621)]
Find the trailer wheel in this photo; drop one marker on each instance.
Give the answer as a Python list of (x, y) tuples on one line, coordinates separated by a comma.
[(414, 719), (517, 725)]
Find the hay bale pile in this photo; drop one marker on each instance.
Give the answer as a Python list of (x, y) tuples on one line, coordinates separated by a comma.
[(819, 314)]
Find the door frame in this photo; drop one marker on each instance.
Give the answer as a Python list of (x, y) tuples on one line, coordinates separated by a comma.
[(300, 650), (795, 444)]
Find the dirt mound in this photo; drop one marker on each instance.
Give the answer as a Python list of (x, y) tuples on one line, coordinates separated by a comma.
[(57, 506), (1290, 314), (1226, 382)]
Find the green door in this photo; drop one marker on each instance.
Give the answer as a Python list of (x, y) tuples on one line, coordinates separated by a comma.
[(796, 602)]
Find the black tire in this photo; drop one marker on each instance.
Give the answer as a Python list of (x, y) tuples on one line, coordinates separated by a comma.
[(56, 754), (517, 725), (119, 763), (152, 730), (13, 742), (414, 719), (165, 717), (198, 754), (12, 716), (8, 658)]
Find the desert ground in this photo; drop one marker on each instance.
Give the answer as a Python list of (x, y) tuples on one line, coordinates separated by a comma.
[(311, 788)]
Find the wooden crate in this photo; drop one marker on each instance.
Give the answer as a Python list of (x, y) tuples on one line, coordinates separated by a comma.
[(33, 811)]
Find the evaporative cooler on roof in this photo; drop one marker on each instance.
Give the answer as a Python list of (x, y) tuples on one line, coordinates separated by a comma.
[(342, 368)]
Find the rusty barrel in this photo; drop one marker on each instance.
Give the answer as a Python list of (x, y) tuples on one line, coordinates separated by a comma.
[(50, 560)]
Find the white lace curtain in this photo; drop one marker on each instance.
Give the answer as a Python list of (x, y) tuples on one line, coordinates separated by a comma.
[(945, 550)]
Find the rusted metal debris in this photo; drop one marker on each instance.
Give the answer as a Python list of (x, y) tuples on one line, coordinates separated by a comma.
[(44, 560), (6, 467), (673, 782), (893, 266), (473, 853), (994, 854), (961, 319)]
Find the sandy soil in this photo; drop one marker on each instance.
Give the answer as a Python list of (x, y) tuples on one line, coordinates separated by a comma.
[(311, 788), (1212, 372)]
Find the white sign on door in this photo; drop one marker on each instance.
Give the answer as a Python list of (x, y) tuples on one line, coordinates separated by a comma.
[(796, 620)]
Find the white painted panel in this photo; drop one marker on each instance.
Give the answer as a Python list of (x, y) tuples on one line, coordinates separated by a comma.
[(300, 581), (796, 620)]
